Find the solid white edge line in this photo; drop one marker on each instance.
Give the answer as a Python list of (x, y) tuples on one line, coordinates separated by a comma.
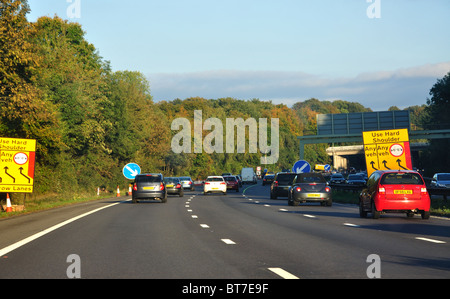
[(430, 240), (18, 244), (283, 273)]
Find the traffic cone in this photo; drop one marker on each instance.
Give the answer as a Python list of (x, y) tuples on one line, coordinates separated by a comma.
[(118, 191), (8, 204)]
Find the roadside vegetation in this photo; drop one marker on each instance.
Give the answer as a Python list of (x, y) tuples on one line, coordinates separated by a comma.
[(90, 121)]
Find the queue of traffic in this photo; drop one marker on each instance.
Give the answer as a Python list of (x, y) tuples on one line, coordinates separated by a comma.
[(154, 186), (385, 191)]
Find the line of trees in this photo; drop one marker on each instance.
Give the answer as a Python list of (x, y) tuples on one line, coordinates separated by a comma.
[(90, 121)]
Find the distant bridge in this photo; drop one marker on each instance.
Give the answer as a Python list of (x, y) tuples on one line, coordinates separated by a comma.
[(340, 153)]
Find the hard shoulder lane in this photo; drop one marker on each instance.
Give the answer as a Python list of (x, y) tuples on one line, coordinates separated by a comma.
[(273, 239), (386, 237)]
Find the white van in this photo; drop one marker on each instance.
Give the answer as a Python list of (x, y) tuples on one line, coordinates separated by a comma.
[(248, 175)]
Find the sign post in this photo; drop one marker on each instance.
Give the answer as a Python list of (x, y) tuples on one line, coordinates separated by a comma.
[(17, 159), (388, 149)]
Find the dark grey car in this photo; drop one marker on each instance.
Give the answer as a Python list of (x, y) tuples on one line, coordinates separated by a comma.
[(149, 186), (281, 183), (309, 187), (173, 186)]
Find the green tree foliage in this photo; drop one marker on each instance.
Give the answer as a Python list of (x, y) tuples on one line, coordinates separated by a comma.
[(23, 110), (90, 121), (437, 112)]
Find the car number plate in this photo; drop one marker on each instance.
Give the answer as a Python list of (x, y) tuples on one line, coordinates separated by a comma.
[(148, 188), (215, 188), (403, 192), (313, 195), (169, 185)]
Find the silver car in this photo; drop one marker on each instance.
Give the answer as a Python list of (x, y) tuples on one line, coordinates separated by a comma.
[(441, 180), (149, 186)]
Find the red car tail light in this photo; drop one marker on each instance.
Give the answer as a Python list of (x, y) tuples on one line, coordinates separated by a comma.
[(178, 186), (298, 189), (327, 189), (135, 187), (161, 187), (381, 190), (275, 183)]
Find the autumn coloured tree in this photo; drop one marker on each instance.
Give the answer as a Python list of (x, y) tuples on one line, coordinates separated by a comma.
[(90, 121), (23, 112)]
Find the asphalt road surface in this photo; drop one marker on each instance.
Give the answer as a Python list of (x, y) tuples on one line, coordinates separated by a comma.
[(243, 235)]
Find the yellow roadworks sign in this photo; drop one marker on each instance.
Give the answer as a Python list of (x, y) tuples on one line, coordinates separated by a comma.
[(387, 149), (17, 160)]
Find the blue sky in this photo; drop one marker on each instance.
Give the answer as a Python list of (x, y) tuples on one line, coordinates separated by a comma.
[(284, 51)]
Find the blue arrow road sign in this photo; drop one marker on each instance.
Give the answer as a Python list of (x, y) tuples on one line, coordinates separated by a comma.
[(131, 170), (301, 167), (327, 167)]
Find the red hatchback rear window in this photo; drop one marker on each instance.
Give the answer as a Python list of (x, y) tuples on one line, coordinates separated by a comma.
[(401, 178)]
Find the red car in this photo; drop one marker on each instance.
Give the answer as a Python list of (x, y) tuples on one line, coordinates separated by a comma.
[(232, 182), (395, 191)]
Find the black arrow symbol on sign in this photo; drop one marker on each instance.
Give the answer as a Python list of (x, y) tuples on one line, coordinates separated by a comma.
[(398, 161), (21, 168), (372, 163), (6, 171), (384, 163)]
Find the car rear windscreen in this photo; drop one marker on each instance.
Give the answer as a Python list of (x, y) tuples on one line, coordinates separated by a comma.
[(214, 180), (401, 178), (171, 180), (148, 178), (311, 179), (285, 178), (229, 178), (443, 177)]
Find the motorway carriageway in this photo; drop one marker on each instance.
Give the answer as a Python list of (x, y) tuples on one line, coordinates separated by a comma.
[(241, 235)]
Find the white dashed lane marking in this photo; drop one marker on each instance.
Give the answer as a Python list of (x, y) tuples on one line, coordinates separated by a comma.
[(228, 241), (283, 273)]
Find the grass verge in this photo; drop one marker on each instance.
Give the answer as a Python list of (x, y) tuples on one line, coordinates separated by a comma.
[(50, 201)]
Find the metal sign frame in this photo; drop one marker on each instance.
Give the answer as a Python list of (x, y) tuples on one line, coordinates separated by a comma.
[(354, 123)]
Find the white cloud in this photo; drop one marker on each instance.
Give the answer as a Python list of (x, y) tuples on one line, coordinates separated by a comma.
[(376, 90)]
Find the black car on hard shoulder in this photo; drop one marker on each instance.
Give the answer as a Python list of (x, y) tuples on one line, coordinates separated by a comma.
[(337, 178), (309, 187), (356, 180)]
